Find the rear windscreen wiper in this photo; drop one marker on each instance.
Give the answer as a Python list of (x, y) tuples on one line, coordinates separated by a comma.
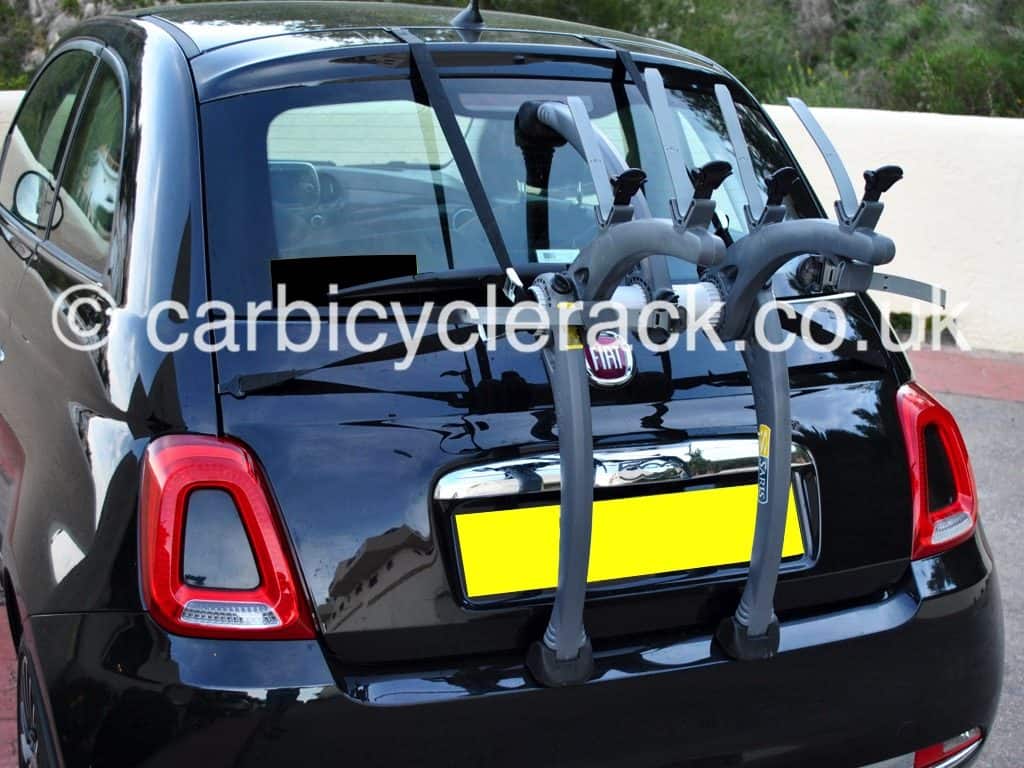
[(244, 384), (455, 279)]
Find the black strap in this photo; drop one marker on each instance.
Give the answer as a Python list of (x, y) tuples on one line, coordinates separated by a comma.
[(426, 74), (626, 61), (627, 67), (538, 175)]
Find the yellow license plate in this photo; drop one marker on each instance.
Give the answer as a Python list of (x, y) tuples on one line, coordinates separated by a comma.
[(516, 550)]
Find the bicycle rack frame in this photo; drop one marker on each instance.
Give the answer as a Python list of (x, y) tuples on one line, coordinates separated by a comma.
[(738, 275)]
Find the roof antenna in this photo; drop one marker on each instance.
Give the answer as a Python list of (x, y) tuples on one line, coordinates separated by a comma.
[(469, 17)]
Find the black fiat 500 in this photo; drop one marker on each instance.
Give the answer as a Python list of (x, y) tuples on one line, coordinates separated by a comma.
[(244, 522)]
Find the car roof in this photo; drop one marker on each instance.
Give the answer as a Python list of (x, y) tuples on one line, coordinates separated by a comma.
[(204, 27)]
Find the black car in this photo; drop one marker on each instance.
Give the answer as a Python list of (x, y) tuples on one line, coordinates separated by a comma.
[(229, 538)]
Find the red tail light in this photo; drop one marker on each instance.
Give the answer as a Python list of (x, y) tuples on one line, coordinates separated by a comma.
[(176, 466), (942, 483)]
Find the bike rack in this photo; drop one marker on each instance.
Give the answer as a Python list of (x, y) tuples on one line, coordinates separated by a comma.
[(737, 275)]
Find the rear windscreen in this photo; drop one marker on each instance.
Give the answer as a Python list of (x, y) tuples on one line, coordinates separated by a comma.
[(354, 182)]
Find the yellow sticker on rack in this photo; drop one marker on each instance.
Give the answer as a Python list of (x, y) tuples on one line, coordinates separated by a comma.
[(764, 441), (516, 550)]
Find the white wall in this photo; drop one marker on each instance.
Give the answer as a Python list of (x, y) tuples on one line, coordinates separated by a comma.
[(958, 215), (8, 104)]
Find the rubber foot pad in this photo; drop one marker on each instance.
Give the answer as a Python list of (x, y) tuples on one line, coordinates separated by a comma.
[(549, 671), (735, 640)]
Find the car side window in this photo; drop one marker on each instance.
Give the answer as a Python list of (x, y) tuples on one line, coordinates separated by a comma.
[(88, 194), (38, 136)]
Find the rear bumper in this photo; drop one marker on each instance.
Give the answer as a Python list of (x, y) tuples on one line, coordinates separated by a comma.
[(850, 688)]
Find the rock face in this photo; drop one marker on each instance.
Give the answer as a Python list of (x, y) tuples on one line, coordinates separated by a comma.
[(51, 19)]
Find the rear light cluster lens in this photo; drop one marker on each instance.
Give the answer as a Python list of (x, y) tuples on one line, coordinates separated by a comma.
[(208, 613), (177, 473), (942, 483), (939, 754)]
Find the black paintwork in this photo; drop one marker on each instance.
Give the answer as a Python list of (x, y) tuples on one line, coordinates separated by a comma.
[(850, 687), (216, 25), (874, 646), (83, 419)]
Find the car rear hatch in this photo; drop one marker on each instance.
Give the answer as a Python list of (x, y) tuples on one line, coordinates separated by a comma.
[(420, 500), (422, 505)]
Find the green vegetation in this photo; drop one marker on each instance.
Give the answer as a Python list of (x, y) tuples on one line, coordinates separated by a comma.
[(956, 56), (16, 37)]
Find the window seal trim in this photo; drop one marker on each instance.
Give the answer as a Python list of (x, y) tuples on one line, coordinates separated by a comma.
[(89, 45), (56, 255)]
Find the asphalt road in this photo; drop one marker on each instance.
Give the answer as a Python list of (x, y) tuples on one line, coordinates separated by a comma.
[(992, 430)]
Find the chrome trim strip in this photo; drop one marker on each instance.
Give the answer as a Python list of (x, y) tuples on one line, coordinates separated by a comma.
[(960, 758), (614, 468), (907, 761), (903, 761)]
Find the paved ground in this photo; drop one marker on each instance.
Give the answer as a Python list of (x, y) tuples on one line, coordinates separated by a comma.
[(8, 686), (986, 394), (992, 375), (992, 429)]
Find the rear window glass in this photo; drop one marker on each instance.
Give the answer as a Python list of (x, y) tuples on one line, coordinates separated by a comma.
[(402, 132), (355, 182)]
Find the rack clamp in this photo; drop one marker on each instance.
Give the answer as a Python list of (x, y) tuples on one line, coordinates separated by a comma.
[(626, 185), (692, 208), (867, 213), (833, 274), (779, 184), (851, 214)]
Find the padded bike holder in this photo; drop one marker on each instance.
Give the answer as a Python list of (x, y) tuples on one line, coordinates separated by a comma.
[(753, 632), (742, 279), (564, 656)]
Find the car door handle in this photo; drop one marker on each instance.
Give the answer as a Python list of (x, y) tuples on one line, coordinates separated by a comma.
[(24, 252), (22, 249)]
